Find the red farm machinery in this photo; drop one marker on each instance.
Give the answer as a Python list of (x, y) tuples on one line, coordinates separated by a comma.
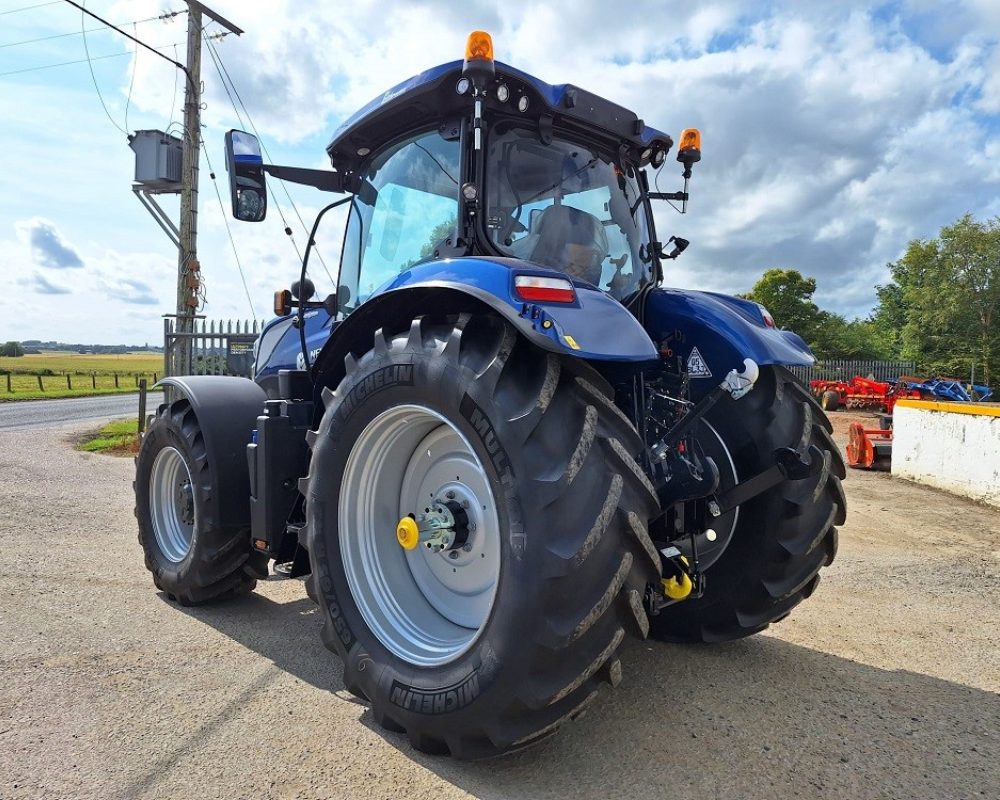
[(859, 393)]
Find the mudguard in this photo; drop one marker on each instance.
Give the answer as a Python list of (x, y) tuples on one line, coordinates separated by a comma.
[(712, 333), (227, 410), (595, 327)]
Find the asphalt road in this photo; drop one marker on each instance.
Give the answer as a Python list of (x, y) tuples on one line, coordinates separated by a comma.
[(882, 685), (38, 414)]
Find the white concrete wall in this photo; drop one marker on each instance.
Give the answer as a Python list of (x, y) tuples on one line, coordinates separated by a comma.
[(948, 449)]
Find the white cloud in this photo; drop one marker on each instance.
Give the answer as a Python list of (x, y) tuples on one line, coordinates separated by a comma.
[(832, 134)]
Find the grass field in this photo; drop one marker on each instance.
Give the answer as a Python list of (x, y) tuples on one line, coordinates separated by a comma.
[(87, 374), (118, 437)]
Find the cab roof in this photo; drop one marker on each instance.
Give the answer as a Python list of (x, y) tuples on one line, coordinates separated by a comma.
[(432, 97)]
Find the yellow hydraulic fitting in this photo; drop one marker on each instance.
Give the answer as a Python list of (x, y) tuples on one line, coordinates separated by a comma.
[(677, 588), (407, 533)]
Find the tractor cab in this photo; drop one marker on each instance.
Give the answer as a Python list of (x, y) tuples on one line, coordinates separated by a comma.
[(478, 158)]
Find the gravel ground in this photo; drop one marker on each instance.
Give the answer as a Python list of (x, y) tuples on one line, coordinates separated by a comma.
[(883, 685)]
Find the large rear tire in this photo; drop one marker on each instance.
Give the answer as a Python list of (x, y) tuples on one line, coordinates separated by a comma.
[(192, 557), (533, 447), (781, 538)]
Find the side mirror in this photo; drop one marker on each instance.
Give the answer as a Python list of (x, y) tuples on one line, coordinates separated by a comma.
[(246, 176)]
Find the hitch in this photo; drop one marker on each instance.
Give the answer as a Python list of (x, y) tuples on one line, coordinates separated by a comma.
[(681, 581), (684, 580)]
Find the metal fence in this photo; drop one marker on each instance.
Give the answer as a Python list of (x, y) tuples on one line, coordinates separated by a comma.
[(220, 347), (847, 369)]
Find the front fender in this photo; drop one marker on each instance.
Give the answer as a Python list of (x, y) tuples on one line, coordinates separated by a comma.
[(724, 330), (226, 409)]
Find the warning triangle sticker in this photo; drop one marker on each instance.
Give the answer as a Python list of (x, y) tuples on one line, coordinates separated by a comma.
[(697, 368)]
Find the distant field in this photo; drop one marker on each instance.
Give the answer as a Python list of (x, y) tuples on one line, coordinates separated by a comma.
[(75, 374)]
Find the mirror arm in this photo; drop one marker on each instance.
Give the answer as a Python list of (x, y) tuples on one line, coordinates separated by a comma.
[(660, 195), (322, 179)]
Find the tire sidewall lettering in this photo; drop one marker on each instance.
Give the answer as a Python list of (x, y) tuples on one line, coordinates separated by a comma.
[(451, 687)]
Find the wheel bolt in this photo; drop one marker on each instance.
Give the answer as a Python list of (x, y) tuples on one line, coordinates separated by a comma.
[(467, 547), (465, 504), (450, 495), (453, 554)]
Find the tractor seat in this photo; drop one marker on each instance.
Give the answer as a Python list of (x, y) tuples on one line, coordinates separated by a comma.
[(571, 240)]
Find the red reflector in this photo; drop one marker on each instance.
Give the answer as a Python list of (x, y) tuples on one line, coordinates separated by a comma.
[(536, 289)]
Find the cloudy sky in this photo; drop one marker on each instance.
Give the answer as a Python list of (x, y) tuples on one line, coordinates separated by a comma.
[(833, 133)]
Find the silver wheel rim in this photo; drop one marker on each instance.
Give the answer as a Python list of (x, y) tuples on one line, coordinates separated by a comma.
[(427, 608), (171, 504)]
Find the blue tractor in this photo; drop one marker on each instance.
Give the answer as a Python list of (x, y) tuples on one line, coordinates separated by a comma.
[(500, 445)]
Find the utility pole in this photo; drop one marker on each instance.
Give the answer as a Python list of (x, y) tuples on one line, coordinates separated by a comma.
[(188, 268)]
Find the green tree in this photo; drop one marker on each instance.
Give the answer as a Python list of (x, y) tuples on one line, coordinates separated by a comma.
[(788, 296), (12, 349), (837, 338), (887, 321), (945, 300)]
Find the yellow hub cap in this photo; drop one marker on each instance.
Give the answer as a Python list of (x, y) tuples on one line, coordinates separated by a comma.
[(407, 533)]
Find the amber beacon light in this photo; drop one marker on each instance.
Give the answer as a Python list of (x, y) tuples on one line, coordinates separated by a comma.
[(479, 66), (479, 47), (689, 151)]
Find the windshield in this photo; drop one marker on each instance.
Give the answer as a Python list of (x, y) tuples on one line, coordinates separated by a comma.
[(564, 206), (408, 208)]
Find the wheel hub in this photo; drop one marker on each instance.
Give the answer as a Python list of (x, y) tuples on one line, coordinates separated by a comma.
[(441, 526), (185, 502)]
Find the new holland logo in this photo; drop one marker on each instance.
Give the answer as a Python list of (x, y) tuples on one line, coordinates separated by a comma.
[(697, 368)]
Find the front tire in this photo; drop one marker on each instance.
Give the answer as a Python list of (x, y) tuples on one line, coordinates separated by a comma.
[(555, 463), (192, 557), (781, 538)]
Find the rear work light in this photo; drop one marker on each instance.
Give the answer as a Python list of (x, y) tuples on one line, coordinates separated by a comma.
[(536, 289)]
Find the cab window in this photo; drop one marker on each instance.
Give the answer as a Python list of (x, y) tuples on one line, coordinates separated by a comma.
[(408, 207)]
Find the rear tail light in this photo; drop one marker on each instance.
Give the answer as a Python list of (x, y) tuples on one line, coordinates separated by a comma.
[(536, 289), (768, 319)]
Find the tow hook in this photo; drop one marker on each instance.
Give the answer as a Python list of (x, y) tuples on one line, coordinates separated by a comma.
[(680, 582)]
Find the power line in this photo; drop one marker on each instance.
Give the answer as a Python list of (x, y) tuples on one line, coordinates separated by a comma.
[(134, 39), (166, 16), (229, 231), (65, 63), (90, 65), (28, 8), (131, 83), (215, 61), (288, 230), (173, 97)]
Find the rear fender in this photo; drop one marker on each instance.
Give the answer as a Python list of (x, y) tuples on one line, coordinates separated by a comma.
[(594, 328), (227, 410), (713, 333)]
